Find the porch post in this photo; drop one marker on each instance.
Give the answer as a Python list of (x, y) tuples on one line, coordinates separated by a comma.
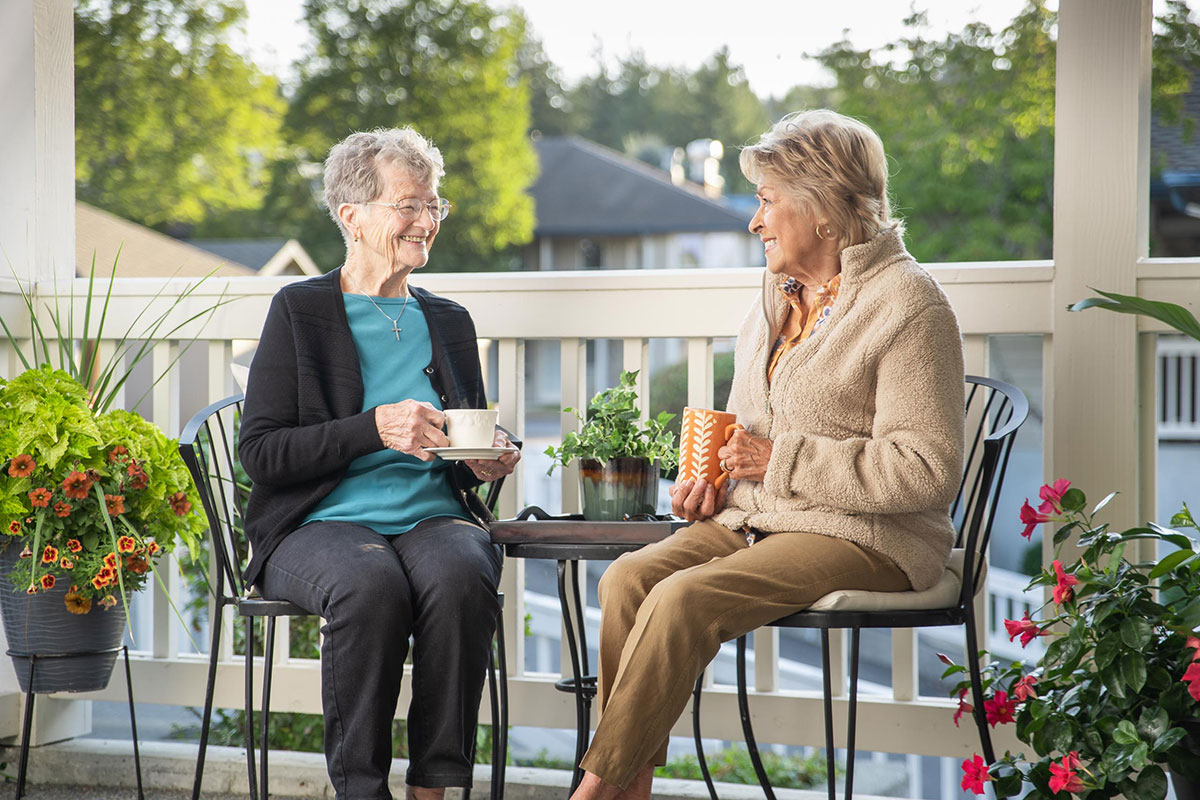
[(37, 220), (1101, 191)]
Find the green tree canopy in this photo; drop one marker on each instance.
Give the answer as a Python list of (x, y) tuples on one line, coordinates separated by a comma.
[(450, 69), (172, 127)]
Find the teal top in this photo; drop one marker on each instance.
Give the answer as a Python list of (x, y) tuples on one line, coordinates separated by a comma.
[(388, 491)]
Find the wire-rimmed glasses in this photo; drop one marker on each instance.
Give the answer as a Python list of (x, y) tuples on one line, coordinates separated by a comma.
[(410, 208)]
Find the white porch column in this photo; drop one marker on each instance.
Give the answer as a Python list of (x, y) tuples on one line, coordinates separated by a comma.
[(1101, 196), (37, 138), (37, 215)]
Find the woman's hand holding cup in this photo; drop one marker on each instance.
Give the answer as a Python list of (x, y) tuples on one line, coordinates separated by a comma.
[(410, 426), (696, 500), (745, 457)]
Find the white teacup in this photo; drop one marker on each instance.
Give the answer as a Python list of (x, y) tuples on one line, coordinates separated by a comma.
[(470, 427)]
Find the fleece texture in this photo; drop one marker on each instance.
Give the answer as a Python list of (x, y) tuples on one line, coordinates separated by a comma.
[(865, 417)]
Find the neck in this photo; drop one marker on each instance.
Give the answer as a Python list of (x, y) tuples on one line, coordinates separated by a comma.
[(360, 276), (816, 275)]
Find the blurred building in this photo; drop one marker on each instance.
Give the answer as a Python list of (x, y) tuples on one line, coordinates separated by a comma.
[(269, 256)]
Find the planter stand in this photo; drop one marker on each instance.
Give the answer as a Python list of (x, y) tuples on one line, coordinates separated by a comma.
[(27, 725)]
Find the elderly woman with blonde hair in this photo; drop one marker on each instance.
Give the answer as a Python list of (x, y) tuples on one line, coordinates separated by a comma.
[(848, 379), (351, 517)]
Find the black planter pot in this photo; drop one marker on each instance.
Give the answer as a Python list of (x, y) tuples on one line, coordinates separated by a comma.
[(79, 649), (618, 487)]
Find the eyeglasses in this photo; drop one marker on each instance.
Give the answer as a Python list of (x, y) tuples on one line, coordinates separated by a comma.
[(410, 208)]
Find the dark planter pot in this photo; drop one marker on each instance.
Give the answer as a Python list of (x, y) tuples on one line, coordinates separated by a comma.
[(40, 624), (618, 488), (1185, 787)]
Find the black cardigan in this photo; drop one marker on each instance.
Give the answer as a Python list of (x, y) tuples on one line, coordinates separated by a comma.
[(303, 421)]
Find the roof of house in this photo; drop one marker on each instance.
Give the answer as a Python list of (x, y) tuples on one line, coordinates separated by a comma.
[(1175, 148), (586, 189), (270, 256), (144, 253)]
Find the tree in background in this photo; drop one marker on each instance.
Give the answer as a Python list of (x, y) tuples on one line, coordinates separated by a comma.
[(451, 70), (173, 128)]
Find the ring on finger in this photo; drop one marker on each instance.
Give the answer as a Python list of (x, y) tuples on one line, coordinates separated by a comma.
[(724, 467)]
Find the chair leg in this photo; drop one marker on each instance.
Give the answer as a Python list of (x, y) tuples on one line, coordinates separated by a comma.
[(249, 732), (747, 729), (985, 736), (26, 730), (206, 721), (827, 691), (700, 759), (268, 660), (137, 756), (500, 740), (850, 726)]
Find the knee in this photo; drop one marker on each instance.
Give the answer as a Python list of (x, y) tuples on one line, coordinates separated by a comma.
[(624, 584), (372, 588), (679, 596)]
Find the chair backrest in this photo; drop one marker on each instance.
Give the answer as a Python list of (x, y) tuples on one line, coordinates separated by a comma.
[(208, 445), (994, 412)]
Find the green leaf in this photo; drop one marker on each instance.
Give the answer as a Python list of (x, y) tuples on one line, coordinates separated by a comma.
[(1136, 632), (1073, 500), (1173, 315), (1169, 562), (1112, 681), (1168, 739), (1107, 650), (1153, 723), (1103, 502), (1126, 733), (1150, 785), (1133, 671), (1189, 615)]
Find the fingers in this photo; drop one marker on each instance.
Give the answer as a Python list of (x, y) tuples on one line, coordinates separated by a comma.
[(693, 500)]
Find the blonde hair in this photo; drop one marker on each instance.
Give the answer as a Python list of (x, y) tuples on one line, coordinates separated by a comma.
[(352, 166), (833, 166)]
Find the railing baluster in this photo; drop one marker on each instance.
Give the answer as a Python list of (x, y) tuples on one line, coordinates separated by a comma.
[(700, 372), (573, 380), (511, 394), (635, 355)]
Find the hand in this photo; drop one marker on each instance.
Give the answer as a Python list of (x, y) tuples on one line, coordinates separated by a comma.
[(697, 500), (487, 470), (745, 457), (410, 426)]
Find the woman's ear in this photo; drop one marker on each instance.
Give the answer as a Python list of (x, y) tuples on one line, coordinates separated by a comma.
[(348, 214)]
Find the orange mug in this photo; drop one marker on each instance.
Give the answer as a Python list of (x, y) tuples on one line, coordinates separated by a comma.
[(702, 433)]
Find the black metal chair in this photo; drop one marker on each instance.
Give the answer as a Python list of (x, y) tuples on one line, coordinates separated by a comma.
[(994, 412), (208, 445)]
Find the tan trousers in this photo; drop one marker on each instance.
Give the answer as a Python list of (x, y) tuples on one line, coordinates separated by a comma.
[(666, 609)]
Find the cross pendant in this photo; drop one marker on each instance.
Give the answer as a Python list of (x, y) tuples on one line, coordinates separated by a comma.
[(396, 328)]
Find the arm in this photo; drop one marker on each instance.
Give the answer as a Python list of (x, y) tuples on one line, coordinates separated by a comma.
[(274, 448), (913, 459)]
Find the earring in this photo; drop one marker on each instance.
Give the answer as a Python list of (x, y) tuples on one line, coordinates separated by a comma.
[(824, 231)]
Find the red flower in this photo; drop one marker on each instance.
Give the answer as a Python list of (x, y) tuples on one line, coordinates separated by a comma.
[(1194, 643), (32, 589), (22, 466), (1192, 678), (1052, 496), (117, 452), (66, 563), (26, 553), (76, 486), (99, 581), (14, 527), (126, 544), (1063, 591), (1031, 519), (963, 707), (115, 504), (110, 561), (180, 504), (39, 498), (136, 564), (152, 547), (1064, 777), (74, 545), (1023, 689), (1026, 627), (975, 774), (62, 509), (50, 554), (1000, 709), (47, 581), (138, 478)]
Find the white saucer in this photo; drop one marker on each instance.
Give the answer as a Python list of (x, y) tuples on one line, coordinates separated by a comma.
[(460, 453)]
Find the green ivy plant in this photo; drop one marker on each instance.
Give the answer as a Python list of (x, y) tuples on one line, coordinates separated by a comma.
[(1117, 691), (613, 429)]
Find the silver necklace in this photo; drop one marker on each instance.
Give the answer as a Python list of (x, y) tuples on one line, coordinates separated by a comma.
[(395, 322)]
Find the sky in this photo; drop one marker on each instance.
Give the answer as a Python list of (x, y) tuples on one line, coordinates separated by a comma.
[(769, 38)]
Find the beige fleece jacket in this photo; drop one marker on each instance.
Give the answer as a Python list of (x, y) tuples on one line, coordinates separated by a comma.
[(865, 417)]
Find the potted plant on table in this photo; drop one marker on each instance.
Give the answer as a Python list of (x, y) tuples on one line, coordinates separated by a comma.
[(619, 456), (90, 498)]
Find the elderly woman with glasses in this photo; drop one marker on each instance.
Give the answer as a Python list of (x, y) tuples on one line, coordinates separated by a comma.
[(350, 517), (848, 379)]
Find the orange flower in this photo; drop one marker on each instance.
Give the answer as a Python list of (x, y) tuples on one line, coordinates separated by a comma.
[(39, 498), (22, 466), (32, 589), (14, 527), (117, 452), (66, 563), (110, 561), (62, 509), (76, 486), (74, 545), (109, 601), (50, 554), (153, 547), (99, 581), (26, 553), (126, 544), (139, 479), (47, 581), (77, 603), (136, 565), (180, 504), (109, 573), (115, 503)]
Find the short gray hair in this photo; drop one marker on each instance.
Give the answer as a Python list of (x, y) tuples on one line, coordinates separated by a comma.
[(833, 165), (352, 166)]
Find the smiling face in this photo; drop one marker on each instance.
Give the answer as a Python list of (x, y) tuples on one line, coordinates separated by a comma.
[(402, 245), (788, 234)]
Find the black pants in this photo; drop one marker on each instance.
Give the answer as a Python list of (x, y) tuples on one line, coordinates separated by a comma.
[(436, 583)]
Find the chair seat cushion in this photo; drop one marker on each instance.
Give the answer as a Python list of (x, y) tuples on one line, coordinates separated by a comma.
[(943, 594)]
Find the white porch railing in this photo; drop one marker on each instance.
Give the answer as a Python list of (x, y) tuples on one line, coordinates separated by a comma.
[(633, 307)]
